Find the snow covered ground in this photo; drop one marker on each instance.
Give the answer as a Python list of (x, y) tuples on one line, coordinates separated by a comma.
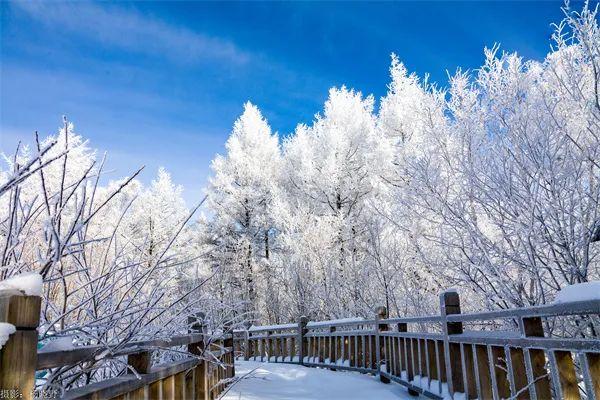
[(264, 381)]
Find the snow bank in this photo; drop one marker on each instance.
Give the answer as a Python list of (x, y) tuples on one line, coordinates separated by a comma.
[(29, 283), (334, 321), (6, 330), (579, 292)]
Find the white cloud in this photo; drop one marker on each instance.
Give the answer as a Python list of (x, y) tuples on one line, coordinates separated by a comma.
[(132, 31)]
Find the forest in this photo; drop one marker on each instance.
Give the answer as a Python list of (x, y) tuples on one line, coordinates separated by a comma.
[(490, 184)]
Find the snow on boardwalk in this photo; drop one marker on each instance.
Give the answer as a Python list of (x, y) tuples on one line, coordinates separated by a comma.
[(264, 381)]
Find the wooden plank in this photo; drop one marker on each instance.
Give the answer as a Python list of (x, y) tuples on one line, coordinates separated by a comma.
[(403, 355), (414, 355), (179, 386), (18, 356), (18, 359), (351, 349), (373, 353), (476, 371), (442, 363), (470, 385), (189, 385), (483, 370), (453, 356), (433, 371), (396, 357), (139, 394), (532, 327), (213, 380), (54, 359), (301, 338), (422, 358), (338, 348), (155, 390), (168, 388), (269, 347), (388, 355), (402, 328), (210, 380), (408, 347), (449, 305), (500, 372), (282, 348), (381, 313), (519, 373), (594, 369), (248, 350), (570, 308), (21, 311), (200, 381), (566, 374), (572, 345), (359, 352)]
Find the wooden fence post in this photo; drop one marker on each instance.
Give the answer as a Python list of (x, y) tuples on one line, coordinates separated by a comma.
[(140, 362), (450, 304), (18, 356), (269, 346), (380, 313), (536, 362), (197, 325), (332, 344), (228, 343), (247, 344), (302, 345)]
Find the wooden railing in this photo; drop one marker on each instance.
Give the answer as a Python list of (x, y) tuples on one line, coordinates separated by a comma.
[(432, 355), (187, 378), (436, 355)]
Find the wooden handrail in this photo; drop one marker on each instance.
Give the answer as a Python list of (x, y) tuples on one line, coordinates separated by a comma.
[(59, 358)]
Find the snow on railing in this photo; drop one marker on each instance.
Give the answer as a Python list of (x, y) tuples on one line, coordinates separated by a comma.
[(272, 327), (335, 322), (28, 283), (586, 291), (436, 356)]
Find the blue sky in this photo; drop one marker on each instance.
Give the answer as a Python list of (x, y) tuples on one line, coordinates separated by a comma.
[(160, 83)]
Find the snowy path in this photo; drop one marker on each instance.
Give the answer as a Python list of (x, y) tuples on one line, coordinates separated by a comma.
[(264, 381)]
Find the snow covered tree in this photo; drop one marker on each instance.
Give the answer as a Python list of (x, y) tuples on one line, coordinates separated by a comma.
[(103, 283), (333, 169), (243, 196)]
